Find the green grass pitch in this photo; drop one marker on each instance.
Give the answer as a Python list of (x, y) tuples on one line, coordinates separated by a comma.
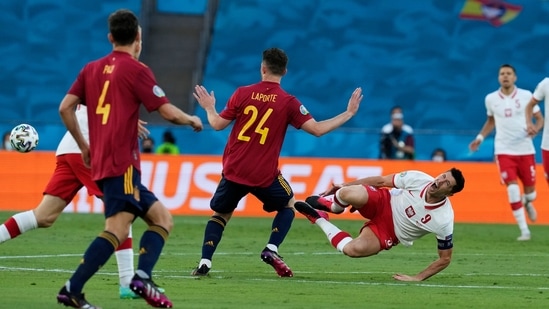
[(490, 269)]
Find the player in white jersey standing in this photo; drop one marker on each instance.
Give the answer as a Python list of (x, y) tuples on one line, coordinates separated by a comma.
[(513, 147), (540, 93), (400, 208), (69, 177)]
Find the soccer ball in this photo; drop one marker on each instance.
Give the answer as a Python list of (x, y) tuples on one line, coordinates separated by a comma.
[(24, 138)]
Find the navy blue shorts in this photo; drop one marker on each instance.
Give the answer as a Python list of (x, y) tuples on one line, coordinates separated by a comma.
[(229, 193), (126, 193)]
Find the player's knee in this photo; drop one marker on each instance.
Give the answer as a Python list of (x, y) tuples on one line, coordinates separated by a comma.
[(345, 194), (169, 223), (531, 196), (513, 193), (353, 195), (166, 221)]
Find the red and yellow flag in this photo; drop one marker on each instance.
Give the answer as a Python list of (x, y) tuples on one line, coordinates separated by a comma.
[(495, 12)]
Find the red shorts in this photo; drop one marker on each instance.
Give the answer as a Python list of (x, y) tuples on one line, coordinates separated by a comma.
[(380, 214), (513, 167), (69, 177)]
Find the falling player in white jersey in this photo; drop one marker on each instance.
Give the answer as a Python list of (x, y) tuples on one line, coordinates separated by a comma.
[(513, 147), (69, 177), (400, 208)]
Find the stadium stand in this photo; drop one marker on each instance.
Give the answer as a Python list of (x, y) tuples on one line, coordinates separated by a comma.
[(419, 55)]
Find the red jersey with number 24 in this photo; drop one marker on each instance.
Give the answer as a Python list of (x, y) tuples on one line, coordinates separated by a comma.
[(113, 88), (261, 114)]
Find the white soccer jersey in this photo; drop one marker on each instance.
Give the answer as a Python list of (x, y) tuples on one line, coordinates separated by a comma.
[(542, 92), (68, 144), (510, 119), (413, 217)]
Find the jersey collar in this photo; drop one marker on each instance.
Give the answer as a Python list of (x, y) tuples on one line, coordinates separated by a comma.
[(424, 196), (512, 95)]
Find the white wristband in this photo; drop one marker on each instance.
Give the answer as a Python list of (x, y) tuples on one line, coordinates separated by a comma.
[(480, 138)]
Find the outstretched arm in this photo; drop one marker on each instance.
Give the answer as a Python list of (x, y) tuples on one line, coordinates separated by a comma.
[(376, 181), (207, 102), (319, 128), (444, 258), (175, 115)]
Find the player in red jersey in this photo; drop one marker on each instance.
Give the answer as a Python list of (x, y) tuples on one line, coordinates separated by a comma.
[(69, 177), (261, 113), (113, 88)]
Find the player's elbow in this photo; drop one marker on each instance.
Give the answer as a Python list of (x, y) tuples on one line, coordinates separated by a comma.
[(314, 128), (317, 133)]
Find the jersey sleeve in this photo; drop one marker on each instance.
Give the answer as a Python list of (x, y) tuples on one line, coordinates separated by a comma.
[(77, 87), (489, 111), (298, 113), (148, 92), (411, 179), (445, 237), (541, 89)]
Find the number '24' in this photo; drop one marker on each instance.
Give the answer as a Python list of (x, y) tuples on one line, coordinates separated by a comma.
[(244, 134)]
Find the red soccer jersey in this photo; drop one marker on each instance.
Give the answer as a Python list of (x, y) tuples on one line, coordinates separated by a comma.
[(113, 88), (262, 113)]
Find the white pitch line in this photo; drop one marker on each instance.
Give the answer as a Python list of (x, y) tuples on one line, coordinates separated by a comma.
[(167, 274), (419, 284), (38, 256)]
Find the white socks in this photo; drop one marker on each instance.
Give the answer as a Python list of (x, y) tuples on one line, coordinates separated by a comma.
[(124, 259), (17, 225), (521, 221)]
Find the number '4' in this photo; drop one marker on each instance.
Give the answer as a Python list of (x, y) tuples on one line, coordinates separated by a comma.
[(103, 108)]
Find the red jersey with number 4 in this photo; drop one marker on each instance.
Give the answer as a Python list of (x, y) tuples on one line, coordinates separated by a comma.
[(113, 88), (262, 113)]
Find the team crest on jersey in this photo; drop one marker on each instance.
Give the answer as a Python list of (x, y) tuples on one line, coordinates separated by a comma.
[(303, 110), (402, 174), (158, 91), (410, 212)]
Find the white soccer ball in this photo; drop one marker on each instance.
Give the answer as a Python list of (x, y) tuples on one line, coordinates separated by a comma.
[(24, 138)]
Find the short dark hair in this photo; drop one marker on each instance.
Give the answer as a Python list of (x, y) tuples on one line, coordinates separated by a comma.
[(123, 26), (506, 65), (276, 60), (460, 180)]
